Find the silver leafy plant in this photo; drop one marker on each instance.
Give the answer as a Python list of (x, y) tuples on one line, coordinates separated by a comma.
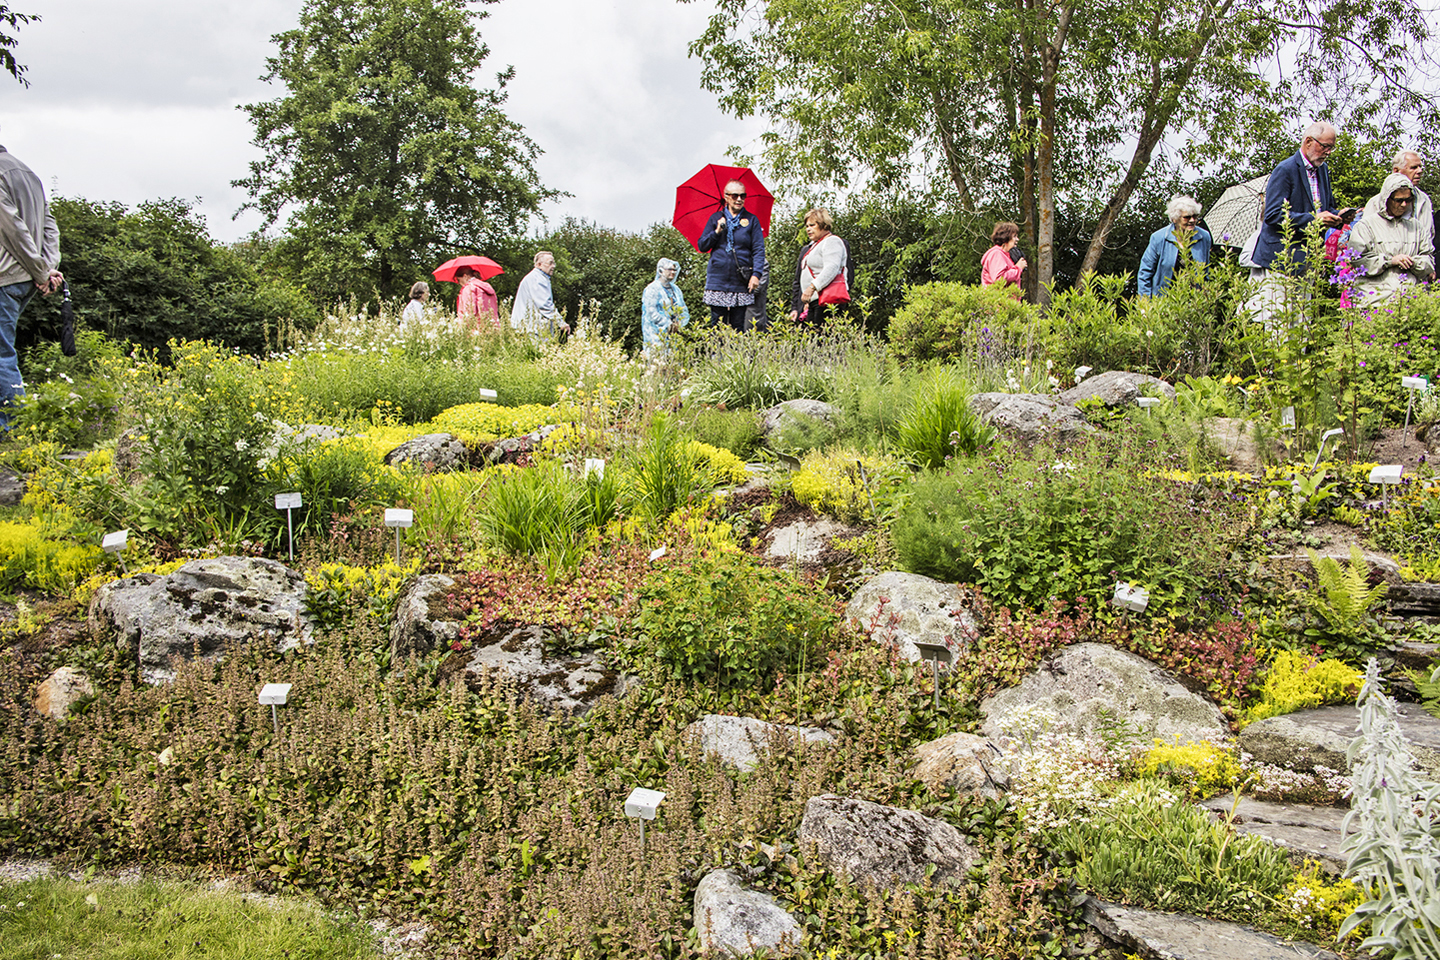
[(1392, 835)]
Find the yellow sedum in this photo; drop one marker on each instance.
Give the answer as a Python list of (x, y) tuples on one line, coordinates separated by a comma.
[(475, 423), (831, 483), (1202, 769), (1316, 902), (30, 558), (1298, 682)]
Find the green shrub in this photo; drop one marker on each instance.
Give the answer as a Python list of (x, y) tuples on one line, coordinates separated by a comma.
[(72, 401), (544, 512), (984, 326), (29, 558), (1028, 528), (665, 472), (720, 620), (940, 424), (735, 430), (334, 478)]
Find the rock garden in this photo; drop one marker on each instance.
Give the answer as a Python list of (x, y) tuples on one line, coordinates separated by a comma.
[(1103, 632)]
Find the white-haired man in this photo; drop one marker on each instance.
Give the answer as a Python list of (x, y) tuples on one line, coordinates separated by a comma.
[(1412, 165), (29, 261), (534, 311)]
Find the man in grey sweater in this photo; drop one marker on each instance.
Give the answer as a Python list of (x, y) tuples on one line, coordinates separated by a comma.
[(29, 256)]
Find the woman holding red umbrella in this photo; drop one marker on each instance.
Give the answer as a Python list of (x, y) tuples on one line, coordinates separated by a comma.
[(477, 301), (736, 243)]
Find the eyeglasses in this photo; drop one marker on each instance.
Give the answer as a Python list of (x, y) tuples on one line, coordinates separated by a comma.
[(736, 196), (1401, 199), (1326, 147)]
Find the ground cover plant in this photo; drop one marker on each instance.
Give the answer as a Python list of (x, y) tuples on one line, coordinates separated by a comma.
[(399, 783)]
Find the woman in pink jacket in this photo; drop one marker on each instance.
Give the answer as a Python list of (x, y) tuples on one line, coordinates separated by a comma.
[(477, 301), (996, 266)]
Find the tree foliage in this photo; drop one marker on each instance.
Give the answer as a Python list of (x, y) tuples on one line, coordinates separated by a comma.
[(1028, 110), (11, 22), (151, 274), (387, 157)]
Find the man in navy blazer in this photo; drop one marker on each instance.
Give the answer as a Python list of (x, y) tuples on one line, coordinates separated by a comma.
[(1303, 182)]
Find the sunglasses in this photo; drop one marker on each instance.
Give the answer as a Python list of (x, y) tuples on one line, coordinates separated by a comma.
[(736, 196)]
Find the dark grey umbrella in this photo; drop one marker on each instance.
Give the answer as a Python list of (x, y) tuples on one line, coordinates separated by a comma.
[(1237, 214)]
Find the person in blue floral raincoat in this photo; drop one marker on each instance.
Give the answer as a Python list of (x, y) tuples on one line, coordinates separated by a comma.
[(662, 307)]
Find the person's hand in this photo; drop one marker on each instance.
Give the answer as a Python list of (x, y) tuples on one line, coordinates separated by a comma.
[(52, 283), (1329, 219), (794, 315), (807, 294), (720, 225), (1021, 263), (754, 284), (1402, 261)]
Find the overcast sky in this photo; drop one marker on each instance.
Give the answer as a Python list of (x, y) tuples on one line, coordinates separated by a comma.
[(136, 100)]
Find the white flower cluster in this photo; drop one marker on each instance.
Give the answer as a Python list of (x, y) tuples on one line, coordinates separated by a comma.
[(1056, 775)]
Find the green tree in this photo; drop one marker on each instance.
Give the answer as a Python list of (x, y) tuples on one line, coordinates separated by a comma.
[(387, 157), (1044, 108), (9, 18), (153, 273)]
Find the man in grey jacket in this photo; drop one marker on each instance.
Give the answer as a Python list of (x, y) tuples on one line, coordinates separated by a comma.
[(29, 256)]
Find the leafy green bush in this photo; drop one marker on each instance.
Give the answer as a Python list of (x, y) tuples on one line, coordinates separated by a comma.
[(1028, 528), (720, 620), (333, 478), (940, 424), (735, 430), (72, 401), (985, 326)]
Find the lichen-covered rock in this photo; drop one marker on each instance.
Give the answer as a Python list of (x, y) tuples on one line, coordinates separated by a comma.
[(741, 741), (903, 608), (432, 451), (568, 685), (1320, 737), (421, 624), (806, 541), (964, 763), (1085, 683), (1029, 417), (200, 609), (777, 417), (733, 920), (1117, 388), (62, 690), (882, 846)]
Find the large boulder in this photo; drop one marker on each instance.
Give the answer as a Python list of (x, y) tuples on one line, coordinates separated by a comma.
[(567, 685), (741, 741), (1320, 737), (734, 921), (1090, 683), (781, 415), (1030, 417), (421, 622), (1117, 388), (902, 608), (964, 763), (882, 846), (62, 690), (200, 609), (438, 452), (806, 540), (1151, 935)]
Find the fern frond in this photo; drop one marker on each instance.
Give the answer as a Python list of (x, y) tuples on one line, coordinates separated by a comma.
[(1344, 594)]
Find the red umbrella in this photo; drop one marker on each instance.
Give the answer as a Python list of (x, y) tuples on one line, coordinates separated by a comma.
[(484, 266), (704, 193)]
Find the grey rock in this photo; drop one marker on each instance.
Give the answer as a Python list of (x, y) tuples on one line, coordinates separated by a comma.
[(1029, 417), (12, 487), (433, 451), (783, 414), (1320, 737), (1415, 600), (420, 625), (568, 685), (1307, 832), (200, 609), (1300, 562), (62, 690), (903, 608), (1117, 388), (1083, 682), (733, 920), (805, 541), (511, 449), (741, 741), (964, 763), (1414, 654), (1177, 936), (882, 846)]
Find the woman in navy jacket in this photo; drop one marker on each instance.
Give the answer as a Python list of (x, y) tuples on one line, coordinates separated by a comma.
[(736, 245)]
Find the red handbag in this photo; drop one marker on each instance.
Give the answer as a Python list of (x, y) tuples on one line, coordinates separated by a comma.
[(836, 291)]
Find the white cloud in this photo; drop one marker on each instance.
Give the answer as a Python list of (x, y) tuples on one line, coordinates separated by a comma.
[(136, 100)]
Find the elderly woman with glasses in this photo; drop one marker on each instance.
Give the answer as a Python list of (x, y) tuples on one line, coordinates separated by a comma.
[(1391, 245), (1170, 246), (736, 244)]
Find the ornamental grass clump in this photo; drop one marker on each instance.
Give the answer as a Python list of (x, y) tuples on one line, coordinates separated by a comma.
[(940, 424)]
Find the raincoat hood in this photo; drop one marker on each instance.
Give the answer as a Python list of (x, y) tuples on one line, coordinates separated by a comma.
[(664, 264), (1396, 181)]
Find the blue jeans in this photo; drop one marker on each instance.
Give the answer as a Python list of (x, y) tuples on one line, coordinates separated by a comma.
[(12, 300)]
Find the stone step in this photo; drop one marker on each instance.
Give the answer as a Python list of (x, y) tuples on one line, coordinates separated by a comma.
[(1307, 832), (1178, 936)]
